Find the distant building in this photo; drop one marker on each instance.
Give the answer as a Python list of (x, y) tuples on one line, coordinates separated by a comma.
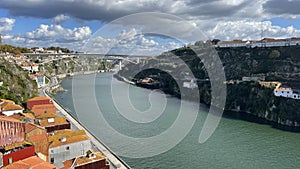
[(67, 144), (11, 131), (287, 92), (32, 162), (8, 107), (190, 84), (91, 161), (31, 68), (266, 42), (38, 101), (16, 151), (56, 123), (39, 78), (253, 78)]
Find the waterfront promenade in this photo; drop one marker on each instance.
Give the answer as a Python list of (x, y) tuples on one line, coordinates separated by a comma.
[(111, 156)]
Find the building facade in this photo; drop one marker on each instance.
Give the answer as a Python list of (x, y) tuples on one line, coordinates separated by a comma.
[(38, 101), (67, 144), (11, 130)]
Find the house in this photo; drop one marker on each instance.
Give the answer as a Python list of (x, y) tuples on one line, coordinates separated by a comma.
[(190, 84), (56, 123), (24, 117), (281, 91), (265, 42), (67, 144), (32, 162), (8, 107), (40, 100), (16, 151), (38, 137), (43, 109), (11, 131), (91, 161), (39, 78), (30, 67)]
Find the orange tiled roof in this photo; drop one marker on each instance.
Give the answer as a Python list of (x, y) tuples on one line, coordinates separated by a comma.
[(7, 101), (5, 118), (15, 145), (84, 159), (11, 106), (46, 115), (43, 108), (21, 116), (30, 163), (29, 127), (71, 137), (57, 121), (40, 98)]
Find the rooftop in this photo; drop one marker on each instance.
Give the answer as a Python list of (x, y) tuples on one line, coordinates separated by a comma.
[(79, 161), (8, 106), (40, 98), (16, 145), (5, 118), (29, 127), (69, 135), (30, 163), (21, 116), (53, 121)]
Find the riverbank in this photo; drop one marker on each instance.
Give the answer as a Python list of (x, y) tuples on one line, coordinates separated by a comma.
[(231, 114), (114, 159)]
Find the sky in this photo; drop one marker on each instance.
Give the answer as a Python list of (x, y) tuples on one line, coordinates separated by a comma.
[(75, 23)]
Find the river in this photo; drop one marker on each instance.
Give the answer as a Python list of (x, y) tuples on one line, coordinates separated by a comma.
[(234, 144)]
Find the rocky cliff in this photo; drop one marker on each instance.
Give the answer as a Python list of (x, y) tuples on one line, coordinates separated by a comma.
[(246, 97)]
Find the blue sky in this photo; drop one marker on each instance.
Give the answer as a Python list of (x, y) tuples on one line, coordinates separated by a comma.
[(72, 24)]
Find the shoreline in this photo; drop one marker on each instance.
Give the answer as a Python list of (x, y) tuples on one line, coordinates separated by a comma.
[(237, 115), (112, 157)]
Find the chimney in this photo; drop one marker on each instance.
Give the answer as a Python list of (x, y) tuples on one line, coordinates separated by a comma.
[(63, 139)]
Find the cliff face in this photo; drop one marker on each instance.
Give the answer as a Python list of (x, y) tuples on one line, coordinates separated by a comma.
[(274, 64), (17, 85)]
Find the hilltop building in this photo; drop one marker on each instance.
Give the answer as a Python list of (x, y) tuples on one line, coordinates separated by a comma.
[(266, 42)]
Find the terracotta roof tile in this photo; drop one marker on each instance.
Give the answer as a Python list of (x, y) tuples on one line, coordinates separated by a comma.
[(11, 106), (40, 98), (30, 163), (84, 159), (56, 121), (71, 137), (5, 118), (29, 127)]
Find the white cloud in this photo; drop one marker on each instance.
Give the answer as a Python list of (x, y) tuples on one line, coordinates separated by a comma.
[(6, 24), (59, 19), (251, 30), (58, 33)]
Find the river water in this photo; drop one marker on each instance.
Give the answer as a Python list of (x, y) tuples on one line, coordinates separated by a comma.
[(234, 144)]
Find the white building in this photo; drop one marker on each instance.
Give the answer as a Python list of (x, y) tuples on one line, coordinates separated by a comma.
[(190, 84), (287, 92), (266, 42), (8, 107), (39, 78)]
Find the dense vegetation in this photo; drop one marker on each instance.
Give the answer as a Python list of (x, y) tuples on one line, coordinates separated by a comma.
[(17, 85), (13, 49), (274, 64)]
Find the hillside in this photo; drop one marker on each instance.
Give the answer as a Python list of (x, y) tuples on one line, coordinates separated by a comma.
[(248, 98), (17, 85)]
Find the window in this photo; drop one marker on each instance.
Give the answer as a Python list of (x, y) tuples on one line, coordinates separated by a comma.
[(10, 160), (81, 152), (67, 148), (52, 151), (52, 160)]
